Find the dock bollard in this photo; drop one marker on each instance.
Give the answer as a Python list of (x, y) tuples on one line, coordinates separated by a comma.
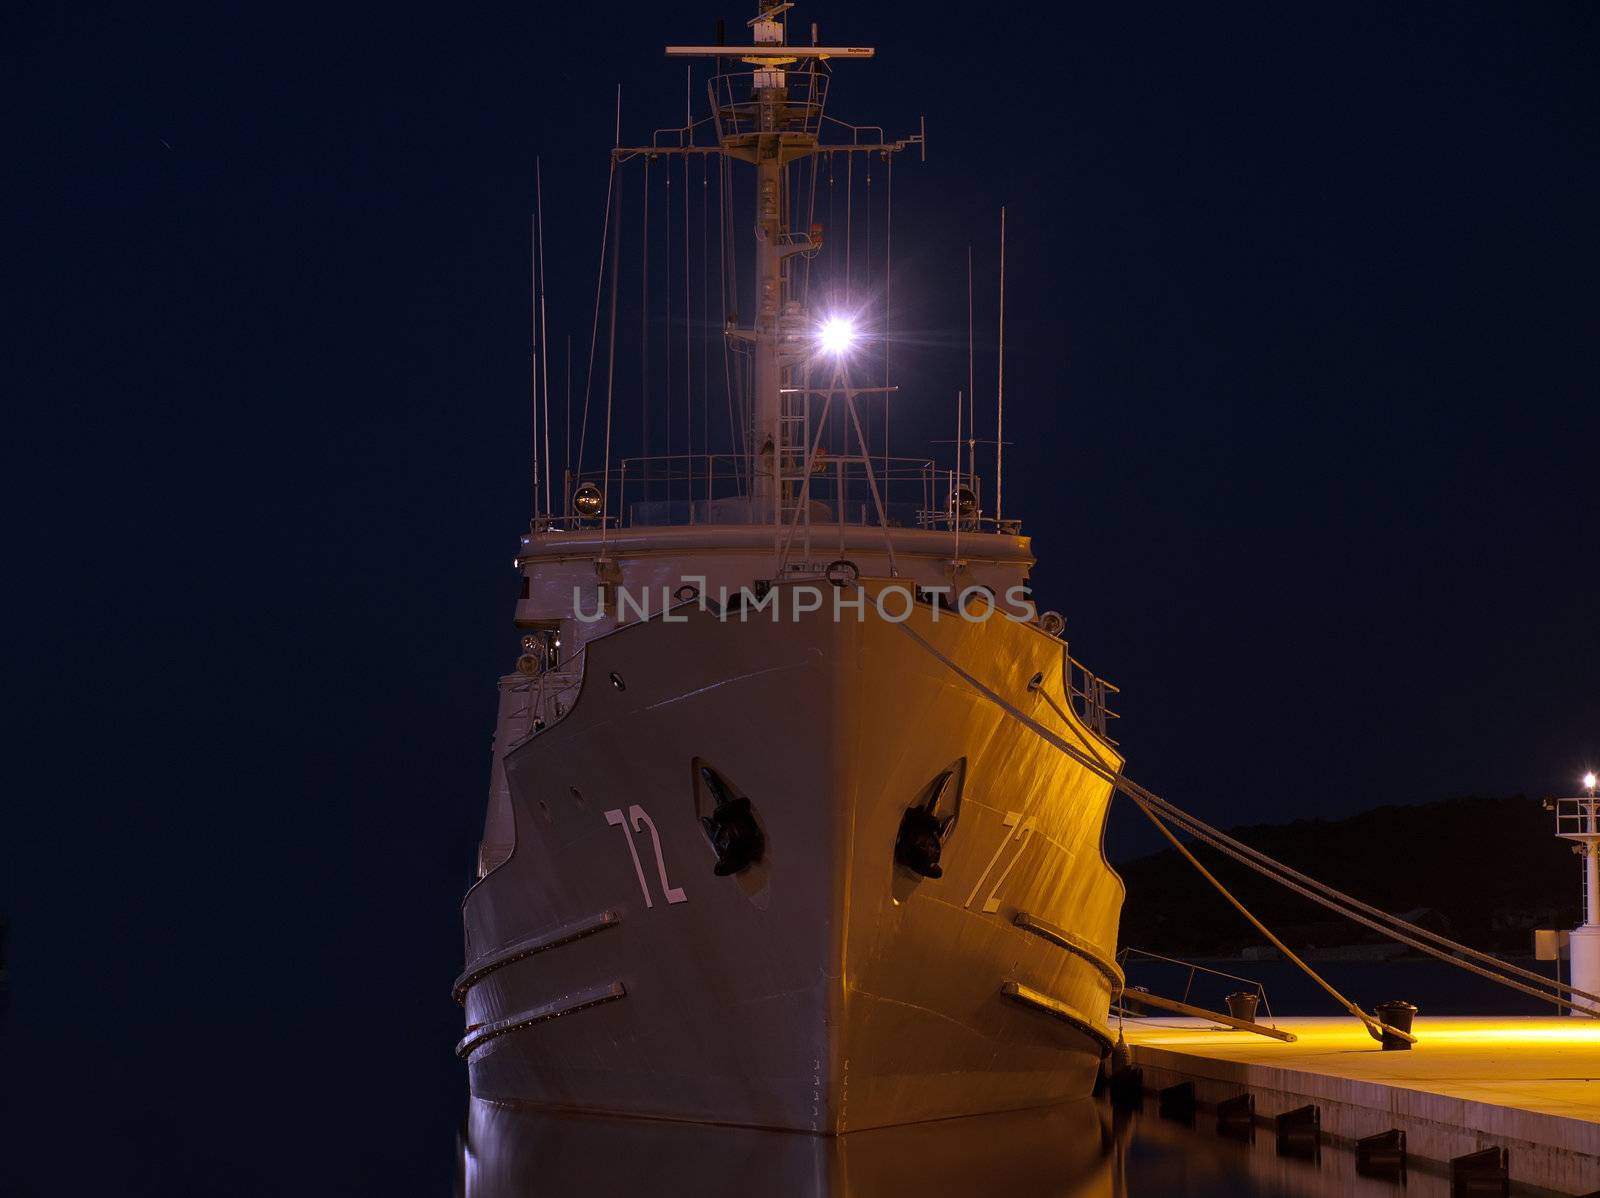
[(1397, 1015), (1300, 1133), (1242, 1005), (1383, 1155), (1236, 1117), (1177, 1102), (1481, 1173)]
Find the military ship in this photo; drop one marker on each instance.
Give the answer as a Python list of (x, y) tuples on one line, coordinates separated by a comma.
[(766, 844)]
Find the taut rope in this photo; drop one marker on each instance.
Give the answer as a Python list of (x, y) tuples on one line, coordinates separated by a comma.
[(1319, 892)]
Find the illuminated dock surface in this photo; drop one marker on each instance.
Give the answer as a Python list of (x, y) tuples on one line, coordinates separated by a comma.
[(1531, 1085)]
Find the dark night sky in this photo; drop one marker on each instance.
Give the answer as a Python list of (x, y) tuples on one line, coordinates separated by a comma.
[(1301, 380)]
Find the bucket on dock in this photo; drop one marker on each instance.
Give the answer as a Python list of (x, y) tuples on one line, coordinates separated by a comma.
[(1242, 1005)]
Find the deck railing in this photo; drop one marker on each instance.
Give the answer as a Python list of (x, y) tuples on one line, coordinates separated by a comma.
[(1090, 695), (738, 112), (686, 489)]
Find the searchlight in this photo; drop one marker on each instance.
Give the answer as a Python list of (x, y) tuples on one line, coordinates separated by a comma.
[(836, 335)]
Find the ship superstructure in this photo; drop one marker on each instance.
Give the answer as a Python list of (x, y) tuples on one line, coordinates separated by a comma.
[(757, 852)]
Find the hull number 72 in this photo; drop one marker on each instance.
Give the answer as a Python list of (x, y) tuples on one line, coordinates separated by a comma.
[(1021, 832)]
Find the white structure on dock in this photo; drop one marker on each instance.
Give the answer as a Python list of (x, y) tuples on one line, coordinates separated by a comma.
[(1576, 820)]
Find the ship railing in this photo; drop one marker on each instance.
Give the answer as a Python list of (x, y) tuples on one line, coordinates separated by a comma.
[(552, 692), (738, 111), (864, 136), (1090, 695), (1130, 960), (573, 520), (659, 490)]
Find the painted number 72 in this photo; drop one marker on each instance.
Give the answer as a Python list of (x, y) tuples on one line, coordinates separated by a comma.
[(1023, 833), (641, 821)]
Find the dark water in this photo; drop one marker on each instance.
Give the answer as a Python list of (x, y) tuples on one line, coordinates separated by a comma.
[(1073, 1151), (170, 1031)]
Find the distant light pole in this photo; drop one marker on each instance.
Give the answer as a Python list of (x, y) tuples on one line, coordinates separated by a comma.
[(1576, 821), (1591, 858)]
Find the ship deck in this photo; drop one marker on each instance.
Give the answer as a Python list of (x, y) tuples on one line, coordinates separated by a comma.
[(1530, 1085)]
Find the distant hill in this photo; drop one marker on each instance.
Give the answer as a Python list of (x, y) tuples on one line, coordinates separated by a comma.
[(1483, 871)]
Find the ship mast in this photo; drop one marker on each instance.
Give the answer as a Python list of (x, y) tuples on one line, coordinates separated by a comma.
[(771, 116), (767, 153)]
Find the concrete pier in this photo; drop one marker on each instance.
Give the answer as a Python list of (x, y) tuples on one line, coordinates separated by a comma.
[(1530, 1085)]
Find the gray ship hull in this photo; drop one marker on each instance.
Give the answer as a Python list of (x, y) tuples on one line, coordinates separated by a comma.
[(825, 988)]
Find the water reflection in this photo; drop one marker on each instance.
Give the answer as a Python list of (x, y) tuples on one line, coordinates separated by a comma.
[(1059, 1152), (1073, 1151)]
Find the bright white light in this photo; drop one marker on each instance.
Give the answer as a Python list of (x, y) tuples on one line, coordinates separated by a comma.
[(1589, 781), (838, 334)]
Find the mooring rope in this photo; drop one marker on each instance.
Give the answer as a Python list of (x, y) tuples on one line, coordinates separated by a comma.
[(1271, 868), (1330, 897), (1549, 994), (1374, 1025)]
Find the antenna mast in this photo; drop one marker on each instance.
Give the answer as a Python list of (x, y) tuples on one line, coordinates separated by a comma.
[(533, 332), (972, 393), (1000, 392), (771, 116), (544, 330)]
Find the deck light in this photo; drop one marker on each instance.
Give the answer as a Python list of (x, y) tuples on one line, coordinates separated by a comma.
[(837, 335), (1589, 782), (587, 500)]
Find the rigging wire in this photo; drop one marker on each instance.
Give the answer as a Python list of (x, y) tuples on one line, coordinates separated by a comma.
[(849, 196), (811, 219), (955, 482), (533, 365), (1335, 900), (566, 432), (544, 329), (1352, 908), (599, 288), (832, 225), (1147, 799), (1374, 1025), (611, 373), (888, 282), (972, 462), (1000, 388), (1500, 974), (735, 430), (867, 203), (688, 299), (971, 381), (666, 227), (1108, 774), (705, 318), (688, 346), (866, 451), (644, 333)]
